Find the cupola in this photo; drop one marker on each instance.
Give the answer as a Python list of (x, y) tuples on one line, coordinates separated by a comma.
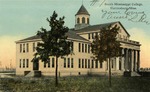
[(82, 18)]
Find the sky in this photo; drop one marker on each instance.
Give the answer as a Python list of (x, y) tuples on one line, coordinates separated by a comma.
[(20, 19)]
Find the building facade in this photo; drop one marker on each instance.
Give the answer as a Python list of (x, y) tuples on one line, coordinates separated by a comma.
[(81, 61)]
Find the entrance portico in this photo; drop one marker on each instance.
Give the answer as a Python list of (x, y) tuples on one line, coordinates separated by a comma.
[(130, 59)]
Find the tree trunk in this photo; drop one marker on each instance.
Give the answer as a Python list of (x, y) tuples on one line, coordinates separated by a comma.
[(109, 73), (56, 77)]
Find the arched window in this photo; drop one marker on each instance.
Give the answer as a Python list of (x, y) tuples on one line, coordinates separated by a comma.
[(78, 20), (87, 20), (83, 20)]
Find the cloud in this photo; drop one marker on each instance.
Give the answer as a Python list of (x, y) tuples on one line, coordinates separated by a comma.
[(8, 50), (138, 34)]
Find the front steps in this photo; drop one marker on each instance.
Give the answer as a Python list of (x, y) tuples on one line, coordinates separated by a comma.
[(135, 74), (32, 73)]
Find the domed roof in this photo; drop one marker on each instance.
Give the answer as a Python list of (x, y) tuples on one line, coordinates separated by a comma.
[(82, 10)]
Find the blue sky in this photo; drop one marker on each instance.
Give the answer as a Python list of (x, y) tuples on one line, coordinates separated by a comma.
[(23, 18), (27, 16)]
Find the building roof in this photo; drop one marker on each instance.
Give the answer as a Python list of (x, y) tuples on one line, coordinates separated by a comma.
[(82, 10), (98, 27), (31, 38), (71, 35)]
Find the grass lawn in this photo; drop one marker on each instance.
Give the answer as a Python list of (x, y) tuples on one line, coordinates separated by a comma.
[(76, 84)]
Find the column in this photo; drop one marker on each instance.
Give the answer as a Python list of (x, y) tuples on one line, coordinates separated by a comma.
[(129, 60), (117, 63), (122, 60), (107, 64), (132, 60), (126, 59), (138, 60), (135, 63)]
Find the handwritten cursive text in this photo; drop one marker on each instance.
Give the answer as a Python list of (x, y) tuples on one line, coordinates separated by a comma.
[(133, 16)]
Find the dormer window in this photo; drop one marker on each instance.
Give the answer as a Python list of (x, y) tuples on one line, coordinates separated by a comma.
[(23, 48), (20, 48), (27, 48)]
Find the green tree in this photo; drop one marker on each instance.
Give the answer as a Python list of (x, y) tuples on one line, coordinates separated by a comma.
[(54, 42), (105, 46)]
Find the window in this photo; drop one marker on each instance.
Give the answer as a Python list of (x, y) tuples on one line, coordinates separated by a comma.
[(89, 36), (82, 47), (27, 47), (79, 47), (78, 20), (33, 47), (53, 64), (71, 62), (82, 63), (85, 48), (101, 65), (64, 62), (79, 63), (20, 63), (44, 64), (85, 63), (27, 63), (88, 63), (23, 63), (88, 48), (49, 63), (68, 62), (92, 64), (96, 64), (23, 48), (20, 48), (87, 20), (83, 20)]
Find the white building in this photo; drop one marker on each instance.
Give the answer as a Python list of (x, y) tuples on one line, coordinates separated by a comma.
[(81, 62)]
